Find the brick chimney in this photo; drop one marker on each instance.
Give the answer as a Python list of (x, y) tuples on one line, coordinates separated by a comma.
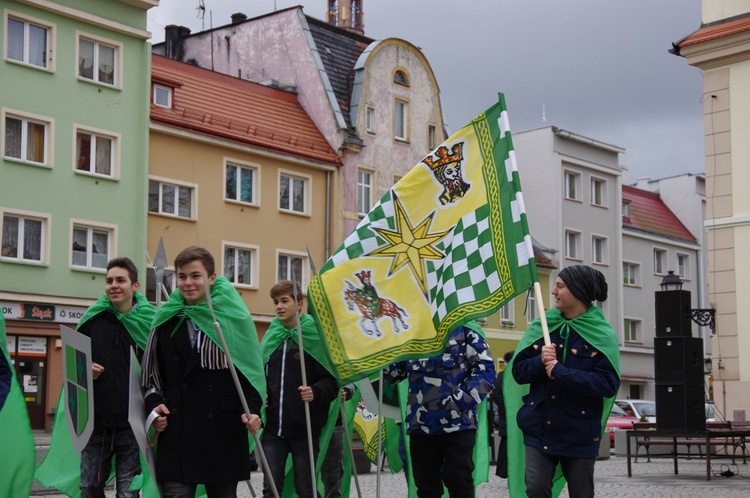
[(347, 14), (173, 36)]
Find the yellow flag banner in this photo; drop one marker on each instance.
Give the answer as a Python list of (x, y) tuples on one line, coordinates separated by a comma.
[(448, 243)]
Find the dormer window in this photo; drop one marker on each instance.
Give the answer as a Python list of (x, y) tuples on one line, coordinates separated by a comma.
[(162, 96), (626, 209), (401, 78)]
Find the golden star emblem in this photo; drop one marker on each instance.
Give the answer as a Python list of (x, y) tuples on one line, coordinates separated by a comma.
[(410, 245)]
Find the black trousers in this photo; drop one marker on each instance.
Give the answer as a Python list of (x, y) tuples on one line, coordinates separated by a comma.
[(445, 459)]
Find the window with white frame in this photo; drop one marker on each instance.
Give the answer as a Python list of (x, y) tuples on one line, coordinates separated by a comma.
[(168, 282), (98, 60), (632, 331), (96, 152), (571, 185), (431, 137), (294, 192), (241, 182), (24, 237), (626, 209), (364, 191), (401, 121), (26, 138), (531, 313), (599, 249), (292, 267), (599, 192), (240, 262), (506, 314), (370, 119), (29, 40), (162, 96), (683, 266), (660, 261), (573, 245), (171, 198), (630, 273), (91, 246)]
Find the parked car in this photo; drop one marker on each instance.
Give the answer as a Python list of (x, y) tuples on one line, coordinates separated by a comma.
[(618, 421), (639, 408)]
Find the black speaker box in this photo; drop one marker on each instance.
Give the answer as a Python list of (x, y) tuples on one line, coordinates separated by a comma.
[(678, 359), (680, 407), (673, 314)]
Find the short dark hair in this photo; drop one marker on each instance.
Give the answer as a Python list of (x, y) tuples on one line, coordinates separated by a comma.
[(126, 264), (286, 287), (193, 253)]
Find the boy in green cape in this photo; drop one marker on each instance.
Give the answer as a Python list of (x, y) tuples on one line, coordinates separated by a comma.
[(559, 396), (117, 324), (202, 430), (285, 431)]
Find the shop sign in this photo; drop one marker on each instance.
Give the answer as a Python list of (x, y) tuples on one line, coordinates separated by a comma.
[(42, 312), (32, 346)]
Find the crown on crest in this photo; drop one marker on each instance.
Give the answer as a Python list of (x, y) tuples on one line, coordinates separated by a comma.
[(362, 275), (443, 157)]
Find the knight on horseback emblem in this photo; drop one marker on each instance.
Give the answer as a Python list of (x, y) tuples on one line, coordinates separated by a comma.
[(372, 307)]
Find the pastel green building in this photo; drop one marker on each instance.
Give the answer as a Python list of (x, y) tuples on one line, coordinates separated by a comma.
[(74, 118)]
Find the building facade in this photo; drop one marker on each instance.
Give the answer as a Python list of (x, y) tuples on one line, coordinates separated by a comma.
[(720, 48), (74, 112)]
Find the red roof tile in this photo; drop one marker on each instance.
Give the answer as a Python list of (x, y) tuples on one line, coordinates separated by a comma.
[(648, 213), (715, 31), (235, 109)]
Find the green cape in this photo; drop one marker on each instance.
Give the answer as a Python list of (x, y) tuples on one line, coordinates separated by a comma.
[(595, 330), (61, 466), (276, 334), (236, 323), (18, 452)]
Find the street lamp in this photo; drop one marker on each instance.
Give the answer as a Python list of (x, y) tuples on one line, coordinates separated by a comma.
[(702, 316)]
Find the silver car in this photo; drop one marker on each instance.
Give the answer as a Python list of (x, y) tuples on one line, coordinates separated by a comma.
[(640, 408)]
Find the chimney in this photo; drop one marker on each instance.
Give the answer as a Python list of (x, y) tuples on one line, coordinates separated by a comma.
[(173, 36), (238, 17), (347, 14)]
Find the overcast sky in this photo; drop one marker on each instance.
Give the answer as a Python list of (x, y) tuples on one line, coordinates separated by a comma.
[(598, 68)]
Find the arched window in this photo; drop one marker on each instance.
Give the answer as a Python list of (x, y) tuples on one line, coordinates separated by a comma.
[(401, 78)]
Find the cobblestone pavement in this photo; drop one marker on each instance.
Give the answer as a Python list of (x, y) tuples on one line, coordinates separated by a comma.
[(650, 480)]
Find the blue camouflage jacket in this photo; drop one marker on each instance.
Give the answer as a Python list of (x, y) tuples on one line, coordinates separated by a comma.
[(444, 390)]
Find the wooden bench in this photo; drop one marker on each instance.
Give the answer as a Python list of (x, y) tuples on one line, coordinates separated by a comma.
[(647, 442)]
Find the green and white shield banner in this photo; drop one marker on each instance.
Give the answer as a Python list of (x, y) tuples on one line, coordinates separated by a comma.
[(79, 386)]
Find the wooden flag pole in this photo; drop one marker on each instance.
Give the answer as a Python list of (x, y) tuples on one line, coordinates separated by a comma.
[(542, 313)]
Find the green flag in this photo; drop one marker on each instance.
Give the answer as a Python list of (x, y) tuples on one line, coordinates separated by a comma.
[(448, 243), (17, 452)]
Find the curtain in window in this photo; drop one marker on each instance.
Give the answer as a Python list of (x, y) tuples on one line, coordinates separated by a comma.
[(153, 197), (243, 267), (10, 237), (86, 59), (35, 142), (296, 269), (32, 240), (246, 185), (80, 246), (284, 193), (13, 137), (229, 263), (299, 196), (231, 182), (37, 46), (185, 207), (106, 64), (103, 156), (283, 268), (99, 249), (167, 199), (15, 40)]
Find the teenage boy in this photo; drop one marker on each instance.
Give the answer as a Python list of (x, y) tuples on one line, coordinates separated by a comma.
[(202, 430), (286, 429)]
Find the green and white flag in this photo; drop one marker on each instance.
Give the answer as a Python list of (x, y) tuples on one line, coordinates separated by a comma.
[(447, 244)]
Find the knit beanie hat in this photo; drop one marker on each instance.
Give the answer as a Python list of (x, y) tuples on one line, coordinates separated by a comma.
[(585, 283)]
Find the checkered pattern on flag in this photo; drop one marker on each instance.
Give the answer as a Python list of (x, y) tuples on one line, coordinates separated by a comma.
[(447, 244)]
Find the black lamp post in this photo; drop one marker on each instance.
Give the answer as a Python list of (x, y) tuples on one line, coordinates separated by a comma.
[(702, 316)]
